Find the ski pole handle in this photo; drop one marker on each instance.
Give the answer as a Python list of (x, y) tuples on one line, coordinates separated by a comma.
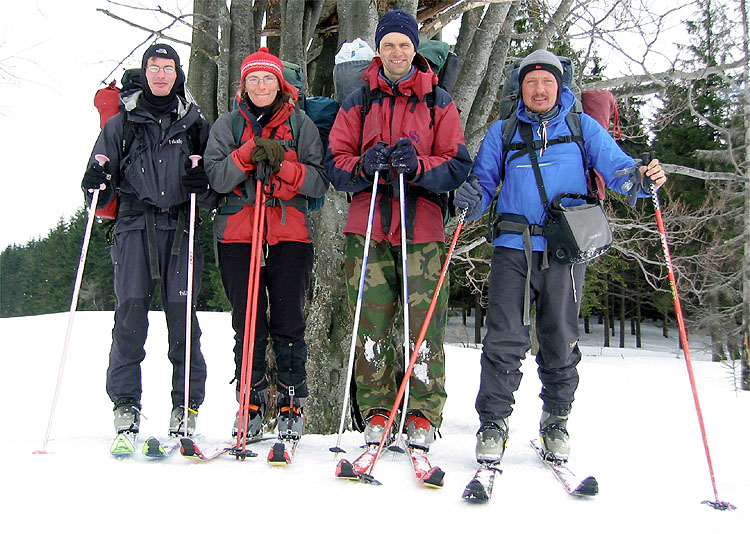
[(195, 159), (101, 159)]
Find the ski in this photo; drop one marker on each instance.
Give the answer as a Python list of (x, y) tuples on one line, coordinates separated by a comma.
[(358, 470), (479, 488), (124, 444), (282, 452), (155, 448), (574, 485), (190, 448), (427, 475)]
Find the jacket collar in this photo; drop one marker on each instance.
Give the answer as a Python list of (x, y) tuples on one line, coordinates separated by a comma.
[(419, 83)]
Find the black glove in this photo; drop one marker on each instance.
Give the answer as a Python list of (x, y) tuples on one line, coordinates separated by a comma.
[(469, 197), (195, 180), (404, 156), (95, 176), (268, 150), (376, 159)]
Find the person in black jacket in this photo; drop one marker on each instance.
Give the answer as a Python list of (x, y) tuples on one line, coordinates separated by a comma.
[(151, 179)]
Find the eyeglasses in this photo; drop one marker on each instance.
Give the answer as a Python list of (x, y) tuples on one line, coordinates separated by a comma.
[(154, 69), (267, 80)]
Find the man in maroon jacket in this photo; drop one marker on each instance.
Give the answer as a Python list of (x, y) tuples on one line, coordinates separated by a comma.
[(401, 122)]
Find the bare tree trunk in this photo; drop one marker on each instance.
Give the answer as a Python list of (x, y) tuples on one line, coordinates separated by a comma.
[(478, 318), (622, 316), (638, 317), (555, 24), (292, 46), (606, 312), (472, 71), (203, 73), (477, 123), (407, 5), (241, 44), (745, 383), (469, 24), (357, 18), (329, 323)]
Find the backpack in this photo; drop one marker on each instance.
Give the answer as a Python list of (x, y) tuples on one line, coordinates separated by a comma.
[(322, 110), (442, 61), (602, 106), (350, 62), (108, 101)]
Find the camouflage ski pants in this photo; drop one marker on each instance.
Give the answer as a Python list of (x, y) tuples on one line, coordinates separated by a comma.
[(380, 365)]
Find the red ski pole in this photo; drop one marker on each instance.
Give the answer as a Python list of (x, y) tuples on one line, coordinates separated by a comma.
[(716, 503), (251, 312), (420, 339)]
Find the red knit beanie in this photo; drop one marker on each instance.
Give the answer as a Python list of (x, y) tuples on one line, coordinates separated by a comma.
[(262, 60)]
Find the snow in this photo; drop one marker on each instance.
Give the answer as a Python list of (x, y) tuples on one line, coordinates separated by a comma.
[(633, 426)]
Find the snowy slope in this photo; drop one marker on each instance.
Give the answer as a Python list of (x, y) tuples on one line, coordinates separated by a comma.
[(633, 426)]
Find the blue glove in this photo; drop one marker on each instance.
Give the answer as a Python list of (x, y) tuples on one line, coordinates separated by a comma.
[(376, 159), (404, 156), (469, 197)]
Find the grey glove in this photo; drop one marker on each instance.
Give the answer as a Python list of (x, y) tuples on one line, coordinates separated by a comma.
[(469, 197)]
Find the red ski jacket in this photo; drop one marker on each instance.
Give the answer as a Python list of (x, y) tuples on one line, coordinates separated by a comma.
[(232, 172), (403, 109)]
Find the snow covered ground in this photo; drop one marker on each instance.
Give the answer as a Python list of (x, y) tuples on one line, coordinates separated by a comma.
[(634, 427)]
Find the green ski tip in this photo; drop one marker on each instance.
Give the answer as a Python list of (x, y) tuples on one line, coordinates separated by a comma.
[(122, 446)]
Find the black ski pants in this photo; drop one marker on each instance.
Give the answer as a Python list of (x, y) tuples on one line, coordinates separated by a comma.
[(557, 292), (134, 291), (284, 283)]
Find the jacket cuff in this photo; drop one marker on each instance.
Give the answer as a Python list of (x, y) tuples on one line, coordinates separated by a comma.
[(242, 156)]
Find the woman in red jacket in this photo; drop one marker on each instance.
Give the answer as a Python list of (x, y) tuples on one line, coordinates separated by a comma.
[(257, 141)]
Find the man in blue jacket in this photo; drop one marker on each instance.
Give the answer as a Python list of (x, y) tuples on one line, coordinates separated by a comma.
[(521, 275)]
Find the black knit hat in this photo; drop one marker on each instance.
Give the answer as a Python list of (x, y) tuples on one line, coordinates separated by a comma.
[(397, 21), (160, 50)]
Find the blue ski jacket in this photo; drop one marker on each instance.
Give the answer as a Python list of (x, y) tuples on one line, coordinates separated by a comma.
[(561, 166)]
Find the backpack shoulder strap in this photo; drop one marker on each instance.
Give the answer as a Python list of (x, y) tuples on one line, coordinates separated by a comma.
[(238, 125), (295, 121), (367, 98), (128, 135), (509, 128), (573, 120)]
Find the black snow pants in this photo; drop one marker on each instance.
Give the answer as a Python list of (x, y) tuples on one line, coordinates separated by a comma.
[(557, 291), (134, 290), (284, 283)]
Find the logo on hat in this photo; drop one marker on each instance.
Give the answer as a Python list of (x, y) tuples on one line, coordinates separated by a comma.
[(161, 51)]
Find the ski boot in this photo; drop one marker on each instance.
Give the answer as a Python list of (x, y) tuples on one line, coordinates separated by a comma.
[(291, 422), (492, 439), (375, 426), (419, 431), (554, 437), (177, 421), (256, 412), (127, 416)]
